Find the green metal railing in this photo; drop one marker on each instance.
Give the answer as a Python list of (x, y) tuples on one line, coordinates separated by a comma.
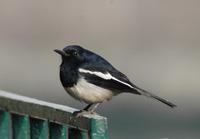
[(27, 118)]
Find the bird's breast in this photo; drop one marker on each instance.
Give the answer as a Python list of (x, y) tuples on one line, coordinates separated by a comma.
[(68, 76), (88, 92)]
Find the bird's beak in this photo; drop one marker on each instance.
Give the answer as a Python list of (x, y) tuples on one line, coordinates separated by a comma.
[(60, 52)]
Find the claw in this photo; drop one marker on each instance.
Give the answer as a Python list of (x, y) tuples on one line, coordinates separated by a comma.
[(80, 113)]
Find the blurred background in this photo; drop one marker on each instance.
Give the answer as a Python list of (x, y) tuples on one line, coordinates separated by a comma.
[(155, 43)]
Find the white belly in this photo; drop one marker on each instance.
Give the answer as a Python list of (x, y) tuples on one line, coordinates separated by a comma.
[(88, 92)]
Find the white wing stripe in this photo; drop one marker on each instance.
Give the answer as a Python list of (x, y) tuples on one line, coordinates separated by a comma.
[(122, 82), (106, 76)]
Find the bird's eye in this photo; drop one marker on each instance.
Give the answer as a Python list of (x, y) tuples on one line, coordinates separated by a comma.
[(75, 53)]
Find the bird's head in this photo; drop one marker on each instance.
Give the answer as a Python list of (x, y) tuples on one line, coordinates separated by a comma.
[(71, 53)]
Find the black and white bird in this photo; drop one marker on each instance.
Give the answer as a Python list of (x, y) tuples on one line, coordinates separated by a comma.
[(88, 77)]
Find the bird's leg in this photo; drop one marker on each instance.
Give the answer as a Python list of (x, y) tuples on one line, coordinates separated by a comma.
[(94, 107), (85, 110), (89, 109)]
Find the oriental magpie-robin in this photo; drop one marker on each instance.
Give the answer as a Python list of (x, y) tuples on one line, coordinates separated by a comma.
[(88, 77)]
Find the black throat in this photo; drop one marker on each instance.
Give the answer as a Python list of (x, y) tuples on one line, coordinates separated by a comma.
[(69, 73)]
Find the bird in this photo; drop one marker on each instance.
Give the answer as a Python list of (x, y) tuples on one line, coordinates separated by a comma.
[(89, 78)]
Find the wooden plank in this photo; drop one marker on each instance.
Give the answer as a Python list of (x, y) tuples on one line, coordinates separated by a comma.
[(88, 126), (5, 125), (39, 129), (37, 108), (20, 127), (98, 128), (58, 131)]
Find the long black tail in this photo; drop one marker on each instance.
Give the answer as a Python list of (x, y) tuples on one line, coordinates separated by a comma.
[(148, 94)]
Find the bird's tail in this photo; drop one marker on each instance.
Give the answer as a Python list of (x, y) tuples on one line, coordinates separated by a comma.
[(148, 94)]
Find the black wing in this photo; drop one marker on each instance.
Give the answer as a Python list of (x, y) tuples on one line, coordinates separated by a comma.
[(107, 77)]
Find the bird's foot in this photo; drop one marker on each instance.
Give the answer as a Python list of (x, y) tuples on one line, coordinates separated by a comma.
[(82, 112)]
